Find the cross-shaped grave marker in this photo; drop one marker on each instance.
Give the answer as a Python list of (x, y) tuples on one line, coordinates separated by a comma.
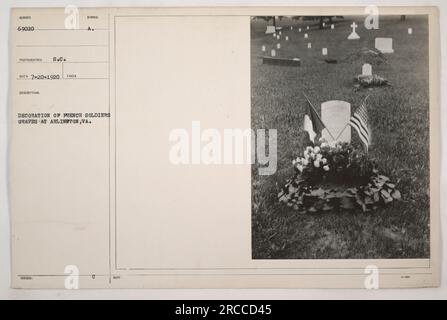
[(353, 35)]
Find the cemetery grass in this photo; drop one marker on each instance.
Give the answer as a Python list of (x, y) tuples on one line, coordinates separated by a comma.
[(399, 120)]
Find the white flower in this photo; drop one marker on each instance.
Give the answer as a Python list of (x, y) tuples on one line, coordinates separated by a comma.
[(293, 162), (309, 149), (326, 168), (324, 145), (316, 163), (300, 168), (312, 155), (317, 149), (305, 162), (306, 156), (319, 156), (298, 160), (324, 160)]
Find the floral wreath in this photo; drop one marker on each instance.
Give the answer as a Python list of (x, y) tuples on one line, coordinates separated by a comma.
[(334, 176)]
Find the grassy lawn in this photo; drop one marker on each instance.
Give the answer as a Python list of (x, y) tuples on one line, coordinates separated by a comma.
[(399, 121)]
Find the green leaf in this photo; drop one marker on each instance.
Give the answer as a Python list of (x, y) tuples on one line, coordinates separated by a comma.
[(386, 196), (368, 200), (385, 193), (396, 194), (376, 197)]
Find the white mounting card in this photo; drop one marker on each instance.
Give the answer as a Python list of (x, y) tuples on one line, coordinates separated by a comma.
[(135, 158)]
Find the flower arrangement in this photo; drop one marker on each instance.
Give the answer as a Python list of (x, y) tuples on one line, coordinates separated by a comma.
[(336, 176)]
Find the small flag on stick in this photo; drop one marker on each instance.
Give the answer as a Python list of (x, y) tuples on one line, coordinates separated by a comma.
[(359, 121), (312, 122)]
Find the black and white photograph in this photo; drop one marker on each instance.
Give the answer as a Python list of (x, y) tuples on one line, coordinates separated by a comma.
[(349, 98)]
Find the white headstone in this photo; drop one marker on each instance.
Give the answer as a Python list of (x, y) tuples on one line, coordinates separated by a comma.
[(287, 38), (324, 51), (273, 53), (291, 27), (280, 33), (384, 45), (270, 29), (278, 37), (306, 36), (274, 35), (299, 29), (278, 46), (367, 69), (332, 26), (324, 24), (263, 48), (410, 30), (335, 115), (309, 45), (353, 35), (307, 28)]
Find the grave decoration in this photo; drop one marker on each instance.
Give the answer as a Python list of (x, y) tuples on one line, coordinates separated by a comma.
[(336, 176), (367, 79)]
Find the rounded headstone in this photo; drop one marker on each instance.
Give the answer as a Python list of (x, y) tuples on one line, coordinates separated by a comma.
[(335, 115), (367, 69)]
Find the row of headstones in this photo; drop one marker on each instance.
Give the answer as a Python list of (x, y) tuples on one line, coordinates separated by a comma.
[(324, 51), (272, 29), (335, 114), (384, 45)]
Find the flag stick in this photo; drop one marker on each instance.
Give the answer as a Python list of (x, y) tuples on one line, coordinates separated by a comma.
[(311, 105), (348, 124), (342, 131)]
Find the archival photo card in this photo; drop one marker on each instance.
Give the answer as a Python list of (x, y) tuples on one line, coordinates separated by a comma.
[(261, 147)]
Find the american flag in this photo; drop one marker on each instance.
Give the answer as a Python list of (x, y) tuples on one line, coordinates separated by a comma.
[(359, 121)]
